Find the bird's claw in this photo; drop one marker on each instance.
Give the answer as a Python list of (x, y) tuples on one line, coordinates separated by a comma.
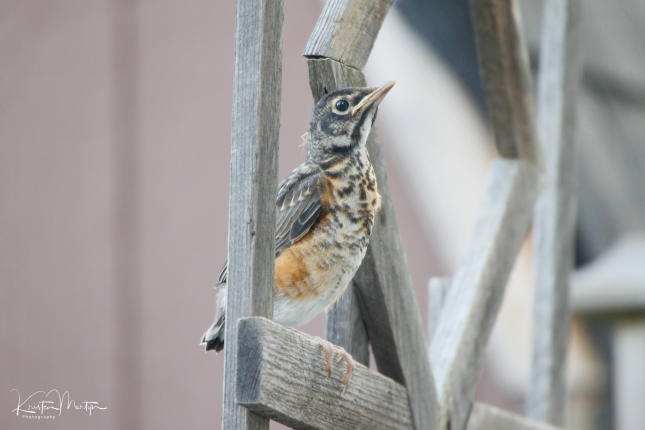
[(344, 356)]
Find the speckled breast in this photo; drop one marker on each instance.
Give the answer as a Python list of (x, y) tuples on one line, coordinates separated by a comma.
[(314, 272)]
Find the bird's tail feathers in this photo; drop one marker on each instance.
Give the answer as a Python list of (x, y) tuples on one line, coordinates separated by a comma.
[(213, 338)]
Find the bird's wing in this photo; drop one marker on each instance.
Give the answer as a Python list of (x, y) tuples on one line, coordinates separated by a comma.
[(298, 203)]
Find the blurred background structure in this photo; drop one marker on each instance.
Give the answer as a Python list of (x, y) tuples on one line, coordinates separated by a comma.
[(114, 147)]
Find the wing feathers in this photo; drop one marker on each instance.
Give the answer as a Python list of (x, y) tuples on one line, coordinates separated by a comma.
[(301, 190), (298, 205)]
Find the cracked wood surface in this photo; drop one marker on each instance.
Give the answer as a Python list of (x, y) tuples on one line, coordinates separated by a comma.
[(254, 167)]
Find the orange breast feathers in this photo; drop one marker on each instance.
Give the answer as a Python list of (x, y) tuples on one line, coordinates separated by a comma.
[(292, 277), (300, 271)]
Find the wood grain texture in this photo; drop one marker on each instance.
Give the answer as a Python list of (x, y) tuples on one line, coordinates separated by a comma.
[(506, 76), (346, 30), (254, 149), (484, 417), (326, 75), (383, 285), (345, 326), (555, 211), (477, 289), (389, 307), (282, 376)]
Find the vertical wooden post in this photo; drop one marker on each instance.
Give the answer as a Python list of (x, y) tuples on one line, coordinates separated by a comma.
[(555, 210), (254, 161)]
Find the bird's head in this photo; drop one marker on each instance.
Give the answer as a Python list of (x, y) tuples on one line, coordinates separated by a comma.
[(342, 120)]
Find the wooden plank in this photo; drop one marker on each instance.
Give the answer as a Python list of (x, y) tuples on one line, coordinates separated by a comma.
[(326, 75), (555, 211), (345, 326), (389, 307), (484, 417), (472, 302), (282, 376), (506, 76), (437, 290), (254, 166), (346, 30)]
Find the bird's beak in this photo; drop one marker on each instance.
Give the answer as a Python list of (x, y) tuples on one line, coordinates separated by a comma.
[(374, 97)]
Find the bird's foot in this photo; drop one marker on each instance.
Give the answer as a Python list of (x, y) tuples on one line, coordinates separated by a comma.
[(330, 348)]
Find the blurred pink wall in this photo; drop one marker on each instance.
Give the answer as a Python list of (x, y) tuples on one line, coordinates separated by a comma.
[(114, 162)]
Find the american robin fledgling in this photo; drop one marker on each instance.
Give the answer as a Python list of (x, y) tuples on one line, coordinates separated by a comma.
[(325, 214)]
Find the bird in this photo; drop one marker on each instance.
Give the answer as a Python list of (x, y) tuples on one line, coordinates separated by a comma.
[(325, 212)]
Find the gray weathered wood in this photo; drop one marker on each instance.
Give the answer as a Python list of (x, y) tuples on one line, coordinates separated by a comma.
[(346, 30), (254, 149), (389, 307), (555, 210), (345, 326), (437, 289), (282, 376), (472, 302), (506, 76), (484, 417), (327, 75)]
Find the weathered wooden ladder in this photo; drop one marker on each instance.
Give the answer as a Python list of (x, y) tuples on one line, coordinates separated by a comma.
[(274, 372)]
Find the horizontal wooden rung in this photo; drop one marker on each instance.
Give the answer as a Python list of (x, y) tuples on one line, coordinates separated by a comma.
[(282, 376)]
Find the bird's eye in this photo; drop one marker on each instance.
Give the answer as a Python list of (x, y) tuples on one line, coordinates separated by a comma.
[(342, 105)]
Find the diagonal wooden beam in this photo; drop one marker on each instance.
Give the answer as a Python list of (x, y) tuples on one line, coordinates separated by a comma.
[(389, 307), (254, 166), (346, 30), (506, 76), (477, 289), (282, 376), (437, 290), (345, 326), (556, 209)]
